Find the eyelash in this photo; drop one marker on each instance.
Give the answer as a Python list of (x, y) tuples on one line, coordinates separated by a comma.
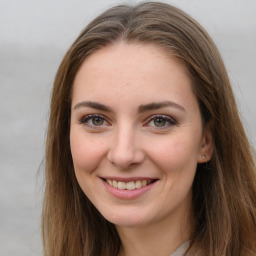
[(86, 119), (170, 121), (166, 119)]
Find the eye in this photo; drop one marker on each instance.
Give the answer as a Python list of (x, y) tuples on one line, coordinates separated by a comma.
[(161, 121), (97, 121), (94, 121)]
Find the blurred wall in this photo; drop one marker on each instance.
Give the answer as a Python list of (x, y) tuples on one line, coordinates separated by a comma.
[(34, 36)]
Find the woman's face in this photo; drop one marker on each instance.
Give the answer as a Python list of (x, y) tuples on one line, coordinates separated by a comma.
[(136, 134)]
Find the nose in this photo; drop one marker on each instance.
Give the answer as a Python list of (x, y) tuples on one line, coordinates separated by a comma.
[(126, 150)]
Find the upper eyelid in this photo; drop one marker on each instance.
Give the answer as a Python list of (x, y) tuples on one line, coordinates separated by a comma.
[(171, 121), (166, 117), (89, 116)]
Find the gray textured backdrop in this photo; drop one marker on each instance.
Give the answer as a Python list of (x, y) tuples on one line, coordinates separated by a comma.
[(33, 38)]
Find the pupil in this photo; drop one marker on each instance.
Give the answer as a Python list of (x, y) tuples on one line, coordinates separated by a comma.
[(159, 122), (97, 121)]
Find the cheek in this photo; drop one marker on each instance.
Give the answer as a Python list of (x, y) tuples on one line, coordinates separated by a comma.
[(86, 152), (176, 154)]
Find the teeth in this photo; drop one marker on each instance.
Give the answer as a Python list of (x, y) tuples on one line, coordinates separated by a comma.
[(115, 184), (131, 185), (121, 185), (110, 182), (144, 183), (138, 184)]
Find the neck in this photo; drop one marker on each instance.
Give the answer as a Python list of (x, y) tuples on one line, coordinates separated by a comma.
[(161, 238)]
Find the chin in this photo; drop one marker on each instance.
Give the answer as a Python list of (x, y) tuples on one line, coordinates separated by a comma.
[(127, 218)]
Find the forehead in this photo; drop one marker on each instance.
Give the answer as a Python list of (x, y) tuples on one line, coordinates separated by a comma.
[(126, 70), (128, 55)]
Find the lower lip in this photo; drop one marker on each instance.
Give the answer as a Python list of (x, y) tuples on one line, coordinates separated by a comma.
[(128, 194)]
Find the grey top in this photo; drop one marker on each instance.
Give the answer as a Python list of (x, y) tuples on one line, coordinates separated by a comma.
[(181, 250)]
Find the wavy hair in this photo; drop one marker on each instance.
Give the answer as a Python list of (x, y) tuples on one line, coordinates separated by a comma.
[(224, 189)]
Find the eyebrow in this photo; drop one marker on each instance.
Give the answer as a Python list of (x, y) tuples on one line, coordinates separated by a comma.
[(92, 104), (158, 105), (141, 108)]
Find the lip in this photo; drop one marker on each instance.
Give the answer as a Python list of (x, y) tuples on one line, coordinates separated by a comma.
[(128, 194), (127, 179)]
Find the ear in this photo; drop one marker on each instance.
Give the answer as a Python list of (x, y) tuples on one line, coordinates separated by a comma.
[(206, 147)]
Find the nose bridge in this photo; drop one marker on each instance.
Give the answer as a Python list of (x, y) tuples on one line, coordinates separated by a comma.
[(125, 148)]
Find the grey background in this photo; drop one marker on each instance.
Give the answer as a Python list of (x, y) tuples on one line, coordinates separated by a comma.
[(34, 35)]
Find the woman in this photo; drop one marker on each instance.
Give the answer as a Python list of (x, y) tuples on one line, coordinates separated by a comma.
[(146, 154)]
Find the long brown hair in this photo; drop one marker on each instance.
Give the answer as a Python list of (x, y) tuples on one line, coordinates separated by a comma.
[(224, 189)]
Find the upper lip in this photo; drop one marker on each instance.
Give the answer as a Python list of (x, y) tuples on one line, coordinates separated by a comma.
[(127, 179)]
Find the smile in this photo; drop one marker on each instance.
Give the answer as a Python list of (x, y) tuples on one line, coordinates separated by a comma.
[(129, 188), (131, 185)]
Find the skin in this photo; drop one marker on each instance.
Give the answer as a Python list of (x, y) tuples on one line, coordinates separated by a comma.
[(126, 140)]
